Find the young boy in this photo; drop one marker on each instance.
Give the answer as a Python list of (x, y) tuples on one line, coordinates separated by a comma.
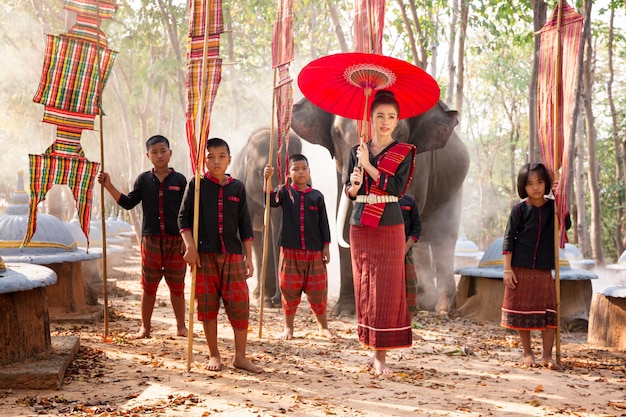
[(304, 241), (160, 192), (223, 257), (412, 231)]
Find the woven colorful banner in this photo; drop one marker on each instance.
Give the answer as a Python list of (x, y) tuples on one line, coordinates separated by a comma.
[(75, 69), (369, 22), (549, 99), (203, 14), (282, 55), (48, 170)]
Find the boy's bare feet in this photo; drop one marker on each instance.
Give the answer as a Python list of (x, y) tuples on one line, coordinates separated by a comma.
[(379, 364), (182, 331), (143, 333), (287, 334), (327, 333), (247, 364), (214, 364), (551, 364), (528, 361)]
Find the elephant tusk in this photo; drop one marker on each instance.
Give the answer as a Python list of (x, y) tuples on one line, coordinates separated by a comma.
[(342, 213)]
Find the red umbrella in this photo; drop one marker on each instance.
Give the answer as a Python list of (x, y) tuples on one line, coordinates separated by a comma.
[(343, 83)]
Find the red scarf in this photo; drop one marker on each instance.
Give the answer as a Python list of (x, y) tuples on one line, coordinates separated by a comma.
[(388, 164)]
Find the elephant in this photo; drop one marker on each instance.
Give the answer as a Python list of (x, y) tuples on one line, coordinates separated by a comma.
[(248, 167), (441, 165)]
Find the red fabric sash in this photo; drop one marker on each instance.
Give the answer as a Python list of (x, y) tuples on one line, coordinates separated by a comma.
[(388, 164)]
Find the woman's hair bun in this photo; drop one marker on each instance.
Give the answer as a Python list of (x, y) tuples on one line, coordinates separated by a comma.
[(384, 93)]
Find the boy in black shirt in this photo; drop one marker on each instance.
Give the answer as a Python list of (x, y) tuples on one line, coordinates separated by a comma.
[(223, 257), (160, 192), (304, 245)]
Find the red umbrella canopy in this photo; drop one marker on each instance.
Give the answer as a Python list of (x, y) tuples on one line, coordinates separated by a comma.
[(345, 84)]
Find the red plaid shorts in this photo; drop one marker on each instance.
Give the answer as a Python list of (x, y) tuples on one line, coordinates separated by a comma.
[(162, 256), (302, 270), (222, 276)]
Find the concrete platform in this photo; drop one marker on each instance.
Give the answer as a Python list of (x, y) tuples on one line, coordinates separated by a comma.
[(45, 371), (90, 315)]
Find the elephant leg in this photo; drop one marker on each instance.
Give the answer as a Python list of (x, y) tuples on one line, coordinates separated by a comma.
[(257, 249), (271, 290), (345, 306), (426, 285)]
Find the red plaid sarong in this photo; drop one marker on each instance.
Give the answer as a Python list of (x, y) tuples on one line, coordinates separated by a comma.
[(388, 164), (162, 256), (380, 287), (532, 304), (222, 276), (411, 283), (302, 270)]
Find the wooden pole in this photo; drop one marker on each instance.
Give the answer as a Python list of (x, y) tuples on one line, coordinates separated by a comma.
[(99, 89), (201, 144), (266, 214), (556, 150)]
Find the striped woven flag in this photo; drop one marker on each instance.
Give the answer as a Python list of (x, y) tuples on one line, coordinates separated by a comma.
[(282, 55), (369, 21), (211, 19), (76, 67), (548, 99), (47, 170)]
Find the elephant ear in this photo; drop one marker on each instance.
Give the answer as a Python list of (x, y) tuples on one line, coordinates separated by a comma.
[(431, 130), (313, 124)]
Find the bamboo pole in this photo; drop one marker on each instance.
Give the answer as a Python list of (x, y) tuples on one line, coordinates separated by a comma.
[(201, 145), (266, 214), (556, 162), (99, 89)]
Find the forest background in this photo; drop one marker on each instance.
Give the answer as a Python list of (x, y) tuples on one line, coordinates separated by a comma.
[(480, 52)]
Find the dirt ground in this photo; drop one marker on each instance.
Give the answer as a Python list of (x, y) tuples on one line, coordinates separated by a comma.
[(456, 367)]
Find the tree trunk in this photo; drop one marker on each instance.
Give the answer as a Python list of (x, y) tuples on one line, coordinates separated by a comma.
[(582, 232), (409, 31), (539, 19), (592, 172), (334, 16), (619, 224), (232, 79), (461, 57), (422, 62), (434, 55), (451, 66)]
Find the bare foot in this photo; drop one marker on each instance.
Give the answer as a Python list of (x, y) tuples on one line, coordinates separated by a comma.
[(287, 334), (214, 364), (143, 333), (528, 361), (327, 333), (248, 365), (182, 331), (551, 364), (381, 367)]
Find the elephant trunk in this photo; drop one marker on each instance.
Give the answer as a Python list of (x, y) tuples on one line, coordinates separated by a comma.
[(342, 214)]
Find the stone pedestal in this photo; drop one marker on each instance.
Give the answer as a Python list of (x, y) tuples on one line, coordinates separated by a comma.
[(607, 321)]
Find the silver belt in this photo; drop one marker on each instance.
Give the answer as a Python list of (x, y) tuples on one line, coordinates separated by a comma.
[(375, 199)]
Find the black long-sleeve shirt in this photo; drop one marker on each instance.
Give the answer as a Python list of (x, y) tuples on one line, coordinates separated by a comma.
[(304, 221), (160, 201), (529, 235), (224, 220), (411, 215), (391, 184)]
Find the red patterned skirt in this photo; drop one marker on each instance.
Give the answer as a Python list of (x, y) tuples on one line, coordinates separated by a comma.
[(378, 271), (532, 304)]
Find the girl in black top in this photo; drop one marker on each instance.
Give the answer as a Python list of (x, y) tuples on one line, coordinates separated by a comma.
[(528, 249)]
